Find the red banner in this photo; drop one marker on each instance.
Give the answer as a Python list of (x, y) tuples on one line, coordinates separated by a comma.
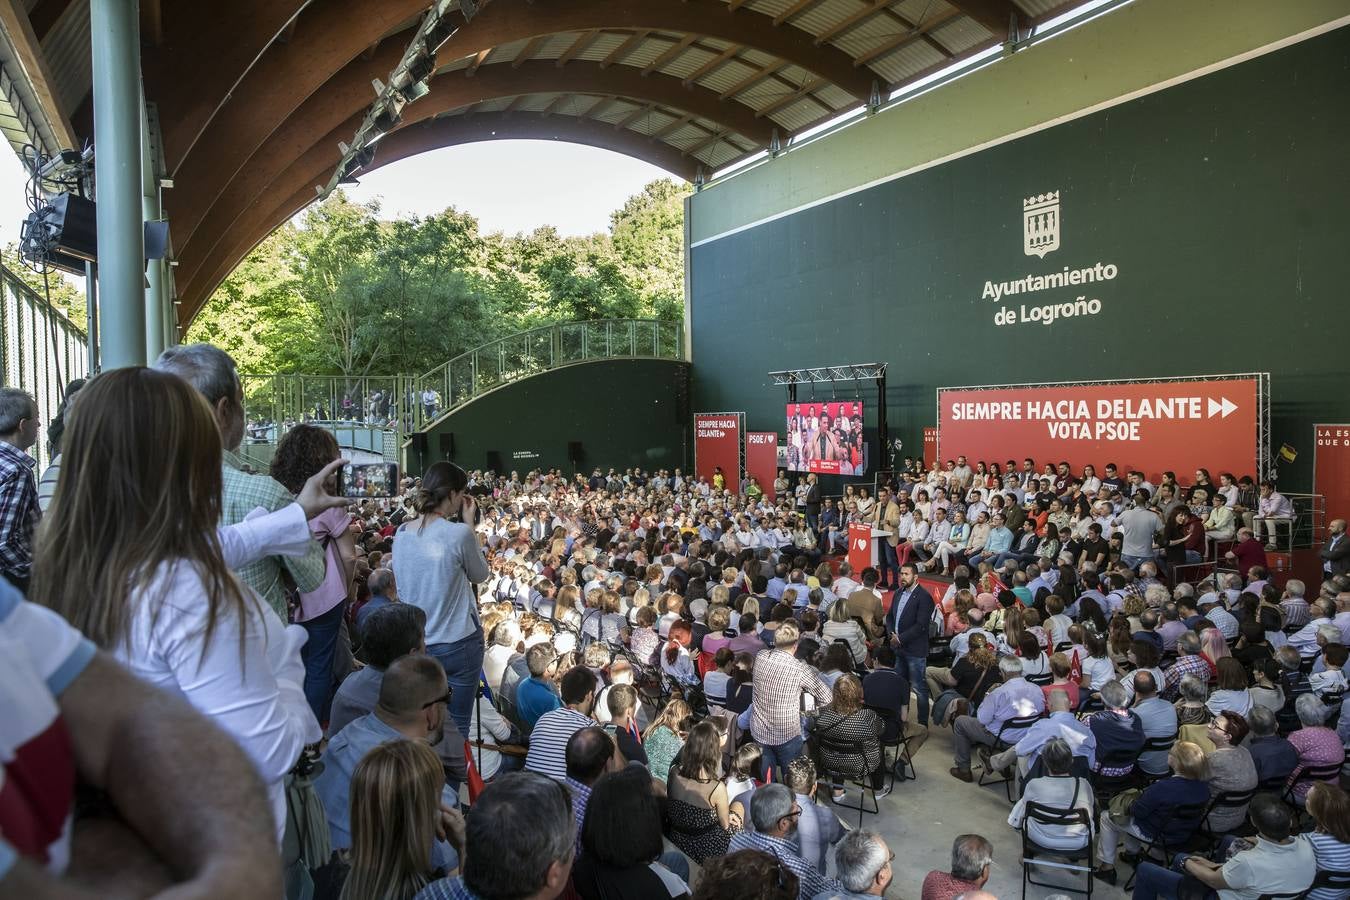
[(859, 547), (826, 437), (1151, 427), (761, 459), (930, 445), (717, 444), (1331, 469)]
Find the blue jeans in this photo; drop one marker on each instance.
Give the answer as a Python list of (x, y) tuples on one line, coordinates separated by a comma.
[(317, 655), (1153, 881), (914, 668), (887, 561), (1193, 557), (463, 664), (777, 757), (1134, 562), (677, 863)]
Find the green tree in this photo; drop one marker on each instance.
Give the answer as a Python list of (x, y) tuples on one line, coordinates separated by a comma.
[(648, 234), (344, 293)]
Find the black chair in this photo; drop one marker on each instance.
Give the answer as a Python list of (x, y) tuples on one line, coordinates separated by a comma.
[(893, 738), (1064, 646), (1224, 800), (1329, 772), (1331, 878), (1194, 813), (1042, 680), (1032, 852), (859, 777), (940, 652), (1014, 729), (1107, 786), (1155, 744)]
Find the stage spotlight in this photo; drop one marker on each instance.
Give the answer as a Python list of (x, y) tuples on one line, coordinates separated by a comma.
[(421, 68), (415, 91), (437, 35), (386, 121)]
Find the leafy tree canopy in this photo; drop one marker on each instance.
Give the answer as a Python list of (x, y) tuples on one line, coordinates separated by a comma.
[(343, 292)]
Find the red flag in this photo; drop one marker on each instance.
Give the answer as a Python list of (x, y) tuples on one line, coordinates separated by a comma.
[(475, 780)]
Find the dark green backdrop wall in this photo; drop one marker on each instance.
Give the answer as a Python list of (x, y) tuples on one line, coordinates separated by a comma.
[(1222, 202), (623, 412)]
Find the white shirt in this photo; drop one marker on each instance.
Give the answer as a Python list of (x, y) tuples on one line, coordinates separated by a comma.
[(261, 703)]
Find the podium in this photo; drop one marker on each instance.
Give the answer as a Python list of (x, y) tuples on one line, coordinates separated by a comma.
[(862, 545)]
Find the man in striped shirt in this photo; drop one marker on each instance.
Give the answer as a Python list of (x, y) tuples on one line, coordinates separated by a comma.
[(19, 512), (548, 740)]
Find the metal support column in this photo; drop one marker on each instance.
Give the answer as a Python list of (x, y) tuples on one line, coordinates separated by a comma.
[(155, 294), (91, 314), (115, 33)]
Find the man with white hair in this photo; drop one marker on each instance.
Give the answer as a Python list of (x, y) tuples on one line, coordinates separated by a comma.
[(1014, 698), (775, 811), (863, 867), (1305, 639), (1295, 604), (972, 855)]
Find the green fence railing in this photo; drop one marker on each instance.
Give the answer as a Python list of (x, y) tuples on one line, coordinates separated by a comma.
[(378, 413)]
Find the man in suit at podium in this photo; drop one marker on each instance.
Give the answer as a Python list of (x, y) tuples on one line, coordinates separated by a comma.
[(886, 516), (907, 625)]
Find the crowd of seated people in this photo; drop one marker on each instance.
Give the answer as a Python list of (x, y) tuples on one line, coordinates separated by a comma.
[(608, 667)]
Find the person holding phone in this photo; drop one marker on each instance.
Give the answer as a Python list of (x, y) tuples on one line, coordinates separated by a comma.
[(303, 451), (437, 562)]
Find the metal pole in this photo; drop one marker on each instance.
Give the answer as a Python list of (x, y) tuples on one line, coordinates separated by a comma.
[(115, 33), (91, 316), (154, 270)]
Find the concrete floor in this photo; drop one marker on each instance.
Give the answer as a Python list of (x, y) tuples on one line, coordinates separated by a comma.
[(920, 818)]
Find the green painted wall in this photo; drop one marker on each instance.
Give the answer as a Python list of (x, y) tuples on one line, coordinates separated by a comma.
[(1134, 48), (1221, 202), (624, 412)]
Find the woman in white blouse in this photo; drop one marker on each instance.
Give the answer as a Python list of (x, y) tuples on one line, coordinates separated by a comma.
[(130, 554)]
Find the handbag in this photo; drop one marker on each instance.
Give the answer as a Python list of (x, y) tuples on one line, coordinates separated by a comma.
[(1119, 806)]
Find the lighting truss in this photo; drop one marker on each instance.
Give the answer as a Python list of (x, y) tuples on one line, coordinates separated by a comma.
[(830, 374), (406, 84)]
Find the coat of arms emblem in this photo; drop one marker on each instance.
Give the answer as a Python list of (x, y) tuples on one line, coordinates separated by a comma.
[(1040, 224)]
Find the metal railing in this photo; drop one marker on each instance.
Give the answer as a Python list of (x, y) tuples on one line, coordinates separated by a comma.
[(40, 351), (498, 363), (377, 413)]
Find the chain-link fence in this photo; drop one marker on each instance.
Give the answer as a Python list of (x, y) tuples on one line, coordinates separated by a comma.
[(41, 350)]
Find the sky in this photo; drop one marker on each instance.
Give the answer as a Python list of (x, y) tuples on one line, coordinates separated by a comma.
[(511, 186)]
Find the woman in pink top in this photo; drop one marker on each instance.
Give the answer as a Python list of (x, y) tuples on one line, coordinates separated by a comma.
[(304, 450), (1317, 745)]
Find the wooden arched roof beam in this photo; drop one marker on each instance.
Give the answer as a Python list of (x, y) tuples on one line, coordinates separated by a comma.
[(220, 41), (433, 135), (503, 23), (452, 91), (329, 36)]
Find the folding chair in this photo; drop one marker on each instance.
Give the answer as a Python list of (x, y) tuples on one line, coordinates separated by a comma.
[(1031, 851), (1107, 786), (862, 781), (1224, 800), (1155, 744), (1016, 724), (1329, 772), (900, 744), (1042, 680), (1182, 812), (1331, 878)]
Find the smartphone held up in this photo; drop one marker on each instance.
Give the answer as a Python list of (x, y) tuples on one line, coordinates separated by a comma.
[(359, 481)]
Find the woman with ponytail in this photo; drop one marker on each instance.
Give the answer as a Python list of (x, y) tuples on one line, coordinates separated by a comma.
[(437, 563)]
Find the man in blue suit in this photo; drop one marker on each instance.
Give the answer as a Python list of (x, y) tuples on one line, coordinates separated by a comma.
[(907, 625)]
